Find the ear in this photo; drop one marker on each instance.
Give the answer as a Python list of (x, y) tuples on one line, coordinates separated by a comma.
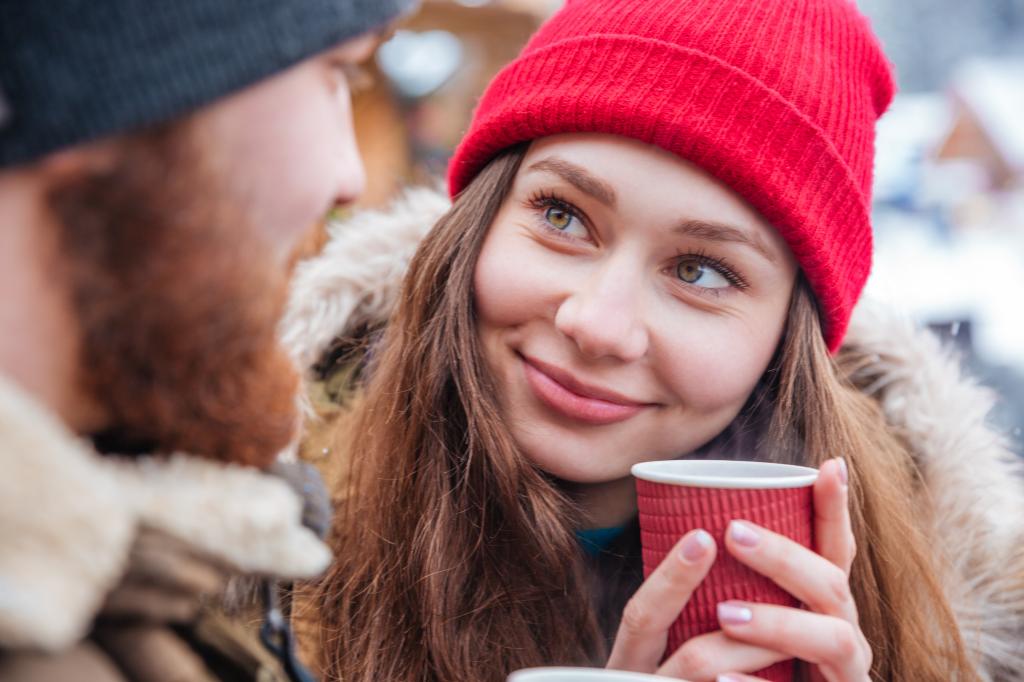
[(91, 157)]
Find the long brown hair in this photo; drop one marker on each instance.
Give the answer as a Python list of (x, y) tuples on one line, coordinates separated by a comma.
[(456, 558)]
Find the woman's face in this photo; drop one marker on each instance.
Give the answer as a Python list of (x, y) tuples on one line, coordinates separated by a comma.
[(628, 303)]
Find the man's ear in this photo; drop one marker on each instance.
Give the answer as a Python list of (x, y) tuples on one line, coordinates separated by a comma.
[(89, 158)]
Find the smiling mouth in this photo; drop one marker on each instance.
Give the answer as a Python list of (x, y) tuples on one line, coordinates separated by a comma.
[(571, 399)]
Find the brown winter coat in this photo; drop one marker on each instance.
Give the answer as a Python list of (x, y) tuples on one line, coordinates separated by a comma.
[(112, 569)]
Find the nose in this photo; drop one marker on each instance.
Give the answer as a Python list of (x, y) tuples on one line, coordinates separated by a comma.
[(351, 174), (603, 317)]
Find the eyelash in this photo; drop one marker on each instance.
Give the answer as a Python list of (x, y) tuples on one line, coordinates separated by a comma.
[(544, 199), (715, 263), (358, 77)]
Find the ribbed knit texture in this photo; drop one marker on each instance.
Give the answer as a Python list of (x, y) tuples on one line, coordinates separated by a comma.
[(668, 512), (74, 70), (776, 98)]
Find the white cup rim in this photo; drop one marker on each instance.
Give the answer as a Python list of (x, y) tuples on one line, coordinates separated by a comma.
[(725, 473), (562, 674)]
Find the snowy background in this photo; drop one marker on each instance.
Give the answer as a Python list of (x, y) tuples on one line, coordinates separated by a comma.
[(949, 196)]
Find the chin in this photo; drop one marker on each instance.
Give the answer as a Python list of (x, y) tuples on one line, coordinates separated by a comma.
[(575, 462)]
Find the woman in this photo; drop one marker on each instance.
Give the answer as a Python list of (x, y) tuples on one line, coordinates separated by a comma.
[(659, 232)]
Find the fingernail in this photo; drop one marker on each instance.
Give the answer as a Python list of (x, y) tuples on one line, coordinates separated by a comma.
[(727, 678), (744, 534), (696, 545), (844, 475), (734, 614)]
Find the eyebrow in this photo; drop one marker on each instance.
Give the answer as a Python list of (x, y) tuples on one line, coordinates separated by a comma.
[(711, 231), (578, 177), (705, 230)]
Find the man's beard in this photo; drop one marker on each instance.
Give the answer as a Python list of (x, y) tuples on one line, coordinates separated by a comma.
[(178, 298)]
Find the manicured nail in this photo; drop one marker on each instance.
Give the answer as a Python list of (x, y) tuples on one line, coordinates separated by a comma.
[(844, 475), (734, 614), (696, 545), (744, 534)]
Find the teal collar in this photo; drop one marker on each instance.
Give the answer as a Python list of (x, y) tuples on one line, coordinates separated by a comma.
[(596, 540)]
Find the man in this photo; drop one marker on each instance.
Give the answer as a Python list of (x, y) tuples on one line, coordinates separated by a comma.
[(159, 164)]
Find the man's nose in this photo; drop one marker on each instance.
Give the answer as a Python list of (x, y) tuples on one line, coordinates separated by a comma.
[(351, 174)]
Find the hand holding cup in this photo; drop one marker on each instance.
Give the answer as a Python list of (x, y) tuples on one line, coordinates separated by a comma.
[(688, 595)]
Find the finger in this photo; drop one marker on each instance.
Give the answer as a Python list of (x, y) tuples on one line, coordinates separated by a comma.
[(159, 543), (832, 643), (815, 581), (832, 530), (152, 605), (150, 651), (643, 632), (174, 573), (738, 677), (706, 656), (172, 567)]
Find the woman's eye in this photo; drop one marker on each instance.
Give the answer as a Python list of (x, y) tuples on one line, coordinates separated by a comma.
[(696, 272), (563, 220)]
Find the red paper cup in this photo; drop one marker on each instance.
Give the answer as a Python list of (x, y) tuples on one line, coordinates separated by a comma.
[(677, 496)]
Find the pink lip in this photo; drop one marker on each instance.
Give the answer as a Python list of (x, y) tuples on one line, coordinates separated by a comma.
[(571, 398)]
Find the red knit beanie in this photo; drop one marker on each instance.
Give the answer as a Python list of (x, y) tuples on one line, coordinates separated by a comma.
[(776, 98)]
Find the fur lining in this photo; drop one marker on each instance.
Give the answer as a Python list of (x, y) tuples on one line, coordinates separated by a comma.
[(64, 528), (68, 518), (977, 494), (975, 482), (356, 278), (240, 515)]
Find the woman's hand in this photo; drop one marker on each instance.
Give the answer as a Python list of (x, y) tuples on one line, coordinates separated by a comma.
[(827, 633), (643, 632), (754, 636)]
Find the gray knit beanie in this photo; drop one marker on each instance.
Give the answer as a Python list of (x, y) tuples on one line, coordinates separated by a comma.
[(74, 70)]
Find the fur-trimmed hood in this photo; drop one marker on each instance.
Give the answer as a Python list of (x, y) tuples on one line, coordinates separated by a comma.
[(68, 518), (975, 481)]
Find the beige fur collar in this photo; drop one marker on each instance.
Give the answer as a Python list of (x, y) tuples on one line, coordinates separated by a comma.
[(68, 518), (356, 277), (975, 483)]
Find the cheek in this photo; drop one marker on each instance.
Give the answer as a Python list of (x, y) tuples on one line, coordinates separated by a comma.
[(301, 174), (713, 365), (510, 286), (285, 143)]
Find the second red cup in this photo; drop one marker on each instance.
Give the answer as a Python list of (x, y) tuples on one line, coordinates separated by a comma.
[(677, 496)]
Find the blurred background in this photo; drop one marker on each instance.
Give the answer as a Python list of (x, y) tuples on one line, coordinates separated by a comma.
[(949, 195)]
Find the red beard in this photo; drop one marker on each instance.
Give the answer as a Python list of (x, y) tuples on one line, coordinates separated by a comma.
[(178, 299)]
